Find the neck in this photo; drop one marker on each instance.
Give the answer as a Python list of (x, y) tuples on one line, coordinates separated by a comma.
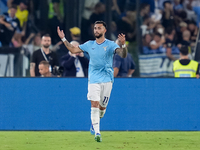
[(47, 74), (184, 57), (100, 40), (186, 39), (12, 16), (46, 50)]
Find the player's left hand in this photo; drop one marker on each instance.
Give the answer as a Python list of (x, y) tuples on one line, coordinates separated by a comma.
[(121, 38)]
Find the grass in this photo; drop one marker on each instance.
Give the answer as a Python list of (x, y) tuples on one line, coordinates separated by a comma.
[(68, 140)]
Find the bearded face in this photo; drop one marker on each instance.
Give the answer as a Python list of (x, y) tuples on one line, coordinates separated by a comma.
[(99, 30), (46, 42)]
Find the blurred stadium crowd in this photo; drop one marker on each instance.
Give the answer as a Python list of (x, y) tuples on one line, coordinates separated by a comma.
[(169, 24), (165, 25)]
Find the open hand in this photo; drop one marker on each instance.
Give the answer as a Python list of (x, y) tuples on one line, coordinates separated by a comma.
[(60, 33), (121, 38)]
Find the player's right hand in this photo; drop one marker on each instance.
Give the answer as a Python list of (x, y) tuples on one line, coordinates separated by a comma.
[(60, 33)]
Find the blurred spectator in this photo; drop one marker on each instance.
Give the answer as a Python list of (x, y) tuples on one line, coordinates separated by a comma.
[(35, 44), (85, 23), (144, 11), (55, 18), (75, 65), (118, 6), (3, 6), (123, 67), (159, 4), (177, 5), (184, 67), (188, 5), (43, 54), (186, 39), (89, 6), (170, 43), (182, 27), (159, 29), (145, 25), (75, 34), (113, 31), (22, 15), (9, 24), (44, 69), (157, 12), (56, 9), (157, 42), (98, 14), (13, 2), (151, 3), (197, 11), (115, 7), (168, 14), (147, 40), (127, 25), (193, 30)]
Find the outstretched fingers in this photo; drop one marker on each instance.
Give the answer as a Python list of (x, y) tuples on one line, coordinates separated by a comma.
[(121, 38), (60, 32)]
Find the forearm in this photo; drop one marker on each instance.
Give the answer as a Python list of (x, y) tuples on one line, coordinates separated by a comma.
[(130, 72), (170, 56), (71, 48), (116, 71), (154, 46), (8, 26), (32, 72), (32, 69), (122, 52)]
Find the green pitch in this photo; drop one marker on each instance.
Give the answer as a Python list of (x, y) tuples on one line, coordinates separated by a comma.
[(63, 140)]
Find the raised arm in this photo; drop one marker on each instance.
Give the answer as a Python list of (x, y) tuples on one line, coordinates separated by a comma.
[(69, 46), (122, 52)]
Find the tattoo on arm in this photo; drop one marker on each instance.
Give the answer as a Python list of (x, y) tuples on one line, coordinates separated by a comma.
[(67, 44), (32, 66), (122, 52), (71, 48)]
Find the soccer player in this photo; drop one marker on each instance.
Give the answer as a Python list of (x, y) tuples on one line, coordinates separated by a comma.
[(100, 76)]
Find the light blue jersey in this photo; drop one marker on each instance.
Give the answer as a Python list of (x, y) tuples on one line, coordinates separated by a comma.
[(101, 59)]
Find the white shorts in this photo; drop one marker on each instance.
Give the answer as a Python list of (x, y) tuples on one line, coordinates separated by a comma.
[(100, 92)]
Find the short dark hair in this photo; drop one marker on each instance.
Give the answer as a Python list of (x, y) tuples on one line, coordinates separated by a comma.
[(167, 1), (191, 22), (169, 30), (46, 35), (158, 34), (101, 22), (13, 6), (143, 6), (45, 63), (98, 5), (184, 50)]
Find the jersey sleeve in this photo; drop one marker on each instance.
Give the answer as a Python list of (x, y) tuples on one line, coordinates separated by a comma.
[(114, 46), (84, 47)]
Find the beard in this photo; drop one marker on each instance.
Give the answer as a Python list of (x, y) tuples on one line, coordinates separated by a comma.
[(46, 46), (98, 36)]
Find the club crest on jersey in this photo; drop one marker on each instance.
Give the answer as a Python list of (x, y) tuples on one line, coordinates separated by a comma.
[(105, 48)]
